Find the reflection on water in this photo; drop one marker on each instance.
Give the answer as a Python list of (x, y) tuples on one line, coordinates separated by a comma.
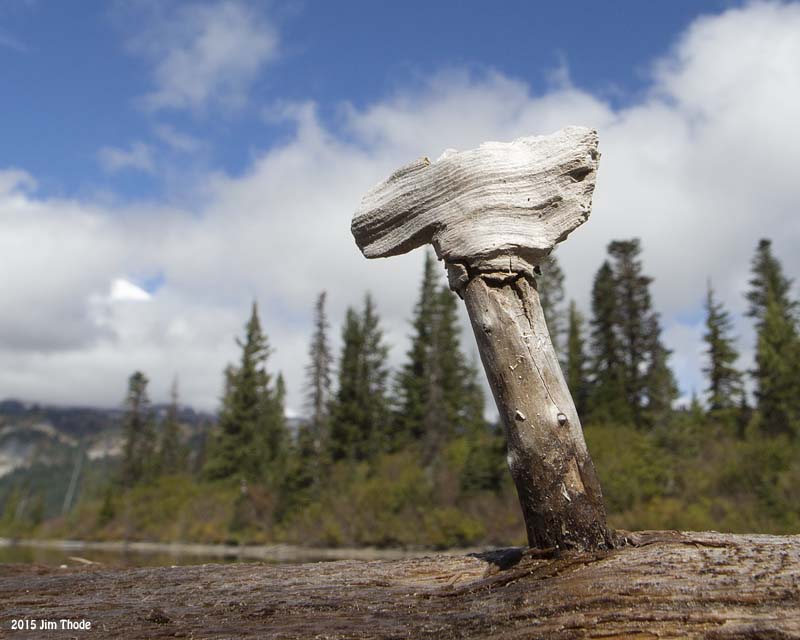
[(121, 558)]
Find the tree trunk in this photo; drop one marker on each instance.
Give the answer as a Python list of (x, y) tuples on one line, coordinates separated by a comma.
[(555, 478)]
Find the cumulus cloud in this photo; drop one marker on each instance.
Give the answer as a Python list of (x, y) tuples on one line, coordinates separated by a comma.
[(204, 53), (138, 157), (699, 169)]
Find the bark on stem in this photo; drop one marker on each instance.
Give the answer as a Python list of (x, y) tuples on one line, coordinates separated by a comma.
[(555, 478)]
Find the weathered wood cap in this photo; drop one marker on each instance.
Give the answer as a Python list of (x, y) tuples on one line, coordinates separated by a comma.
[(488, 208)]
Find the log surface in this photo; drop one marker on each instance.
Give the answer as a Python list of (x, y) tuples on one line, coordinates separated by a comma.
[(670, 586)]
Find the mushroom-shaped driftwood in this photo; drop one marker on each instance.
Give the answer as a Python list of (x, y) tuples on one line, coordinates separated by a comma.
[(493, 214)]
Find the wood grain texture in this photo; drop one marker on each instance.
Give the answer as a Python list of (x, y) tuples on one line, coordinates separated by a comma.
[(670, 585), (481, 206), (554, 475)]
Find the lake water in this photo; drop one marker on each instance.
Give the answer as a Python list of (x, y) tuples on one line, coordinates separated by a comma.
[(74, 557), (143, 554)]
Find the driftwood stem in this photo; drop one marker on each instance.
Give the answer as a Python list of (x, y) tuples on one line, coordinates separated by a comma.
[(555, 478), (492, 214)]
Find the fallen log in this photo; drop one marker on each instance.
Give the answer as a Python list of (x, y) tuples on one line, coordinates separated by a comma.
[(654, 585)]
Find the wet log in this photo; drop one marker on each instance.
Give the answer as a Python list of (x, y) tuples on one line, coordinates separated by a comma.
[(658, 585)]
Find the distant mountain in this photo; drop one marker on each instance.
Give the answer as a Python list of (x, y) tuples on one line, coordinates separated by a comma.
[(33, 434)]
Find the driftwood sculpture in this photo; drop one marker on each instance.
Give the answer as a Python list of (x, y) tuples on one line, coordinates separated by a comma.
[(493, 214)]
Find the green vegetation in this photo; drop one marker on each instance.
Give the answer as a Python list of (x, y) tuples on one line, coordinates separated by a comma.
[(407, 458)]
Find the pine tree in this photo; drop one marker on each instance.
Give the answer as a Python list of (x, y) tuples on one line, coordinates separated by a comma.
[(724, 380), (576, 366), (550, 285), (171, 456), (138, 449), (318, 373), (240, 447)]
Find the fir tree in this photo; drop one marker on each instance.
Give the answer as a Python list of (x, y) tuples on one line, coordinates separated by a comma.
[(347, 412), (576, 366), (633, 310), (660, 387), (359, 418), (550, 285), (374, 380), (413, 382), (777, 371), (273, 431), (631, 379), (607, 399), (767, 281), (438, 393), (724, 380), (248, 421), (138, 447)]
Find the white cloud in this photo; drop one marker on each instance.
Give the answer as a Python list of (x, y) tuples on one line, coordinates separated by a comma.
[(698, 170), (204, 54), (122, 289), (138, 157)]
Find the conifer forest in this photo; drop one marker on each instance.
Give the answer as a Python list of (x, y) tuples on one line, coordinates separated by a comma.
[(407, 457)]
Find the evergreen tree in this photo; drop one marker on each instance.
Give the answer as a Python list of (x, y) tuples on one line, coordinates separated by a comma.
[(249, 424), (724, 380), (632, 381), (273, 431), (347, 412), (360, 410), (607, 398), (318, 373), (576, 366), (660, 387), (777, 372), (767, 281), (171, 456), (413, 382), (138, 447), (633, 309), (438, 394), (374, 381), (550, 285)]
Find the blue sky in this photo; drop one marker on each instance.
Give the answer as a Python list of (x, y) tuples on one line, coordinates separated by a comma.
[(162, 164), (75, 77)]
